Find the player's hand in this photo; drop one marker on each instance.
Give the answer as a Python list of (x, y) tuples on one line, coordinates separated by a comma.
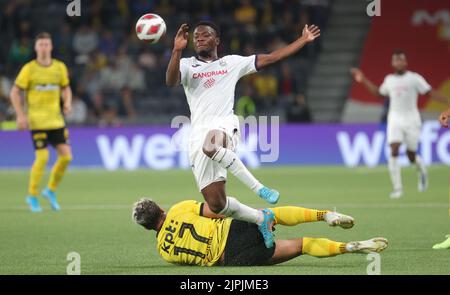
[(22, 122), (310, 33), (357, 74), (443, 119), (181, 38), (67, 109)]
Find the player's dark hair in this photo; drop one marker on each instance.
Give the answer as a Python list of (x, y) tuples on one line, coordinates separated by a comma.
[(146, 213), (209, 24), (43, 35), (398, 51)]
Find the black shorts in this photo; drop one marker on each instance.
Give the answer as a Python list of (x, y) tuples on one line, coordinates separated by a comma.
[(41, 138), (245, 245)]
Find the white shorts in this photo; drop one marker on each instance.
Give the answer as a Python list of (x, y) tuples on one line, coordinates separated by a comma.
[(207, 171), (404, 133)]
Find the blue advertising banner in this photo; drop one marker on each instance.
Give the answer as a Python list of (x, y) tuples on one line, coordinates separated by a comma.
[(165, 148)]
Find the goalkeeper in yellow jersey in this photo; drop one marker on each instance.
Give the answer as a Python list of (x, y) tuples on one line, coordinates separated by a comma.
[(44, 80), (190, 233)]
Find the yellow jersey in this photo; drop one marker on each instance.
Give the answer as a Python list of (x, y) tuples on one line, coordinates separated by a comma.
[(186, 237), (43, 93)]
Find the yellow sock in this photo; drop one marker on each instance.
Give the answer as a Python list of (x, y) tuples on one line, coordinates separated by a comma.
[(322, 247), (37, 171), (291, 215), (58, 171)]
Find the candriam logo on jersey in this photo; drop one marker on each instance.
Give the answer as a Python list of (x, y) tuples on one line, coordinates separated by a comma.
[(209, 74)]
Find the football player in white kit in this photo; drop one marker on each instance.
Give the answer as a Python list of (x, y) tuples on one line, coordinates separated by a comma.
[(209, 84), (403, 124)]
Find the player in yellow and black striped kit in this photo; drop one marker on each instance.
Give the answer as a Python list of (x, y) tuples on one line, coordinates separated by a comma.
[(44, 80), (190, 233)]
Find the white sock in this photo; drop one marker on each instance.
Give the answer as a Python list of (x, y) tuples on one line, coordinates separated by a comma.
[(230, 161), (239, 211), (394, 170), (420, 166)]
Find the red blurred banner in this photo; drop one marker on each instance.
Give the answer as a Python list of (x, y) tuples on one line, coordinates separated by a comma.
[(422, 29)]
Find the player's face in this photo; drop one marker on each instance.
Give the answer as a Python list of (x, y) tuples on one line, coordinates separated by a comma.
[(399, 62), (205, 40), (43, 47)]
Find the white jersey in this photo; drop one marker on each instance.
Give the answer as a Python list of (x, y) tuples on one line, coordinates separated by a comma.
[(210, 86), (403, 91)]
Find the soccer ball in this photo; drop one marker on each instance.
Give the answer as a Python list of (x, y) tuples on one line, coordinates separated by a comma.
[(150, 28)]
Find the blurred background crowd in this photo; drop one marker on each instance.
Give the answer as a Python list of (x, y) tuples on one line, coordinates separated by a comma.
[(117, 79)]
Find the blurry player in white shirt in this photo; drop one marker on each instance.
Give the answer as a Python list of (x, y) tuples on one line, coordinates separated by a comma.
[(209, 84), (403, 124)]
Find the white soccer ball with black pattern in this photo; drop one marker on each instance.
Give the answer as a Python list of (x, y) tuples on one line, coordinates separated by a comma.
[(150, 28)]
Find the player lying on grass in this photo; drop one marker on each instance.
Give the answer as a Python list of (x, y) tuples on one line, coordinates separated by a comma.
[(190, 233)]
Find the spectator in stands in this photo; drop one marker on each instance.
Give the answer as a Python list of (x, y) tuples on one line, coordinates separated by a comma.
[(107, 44), (127, 108), (245, 105), (109, 116), (287, 84), (136, 78), (318, 13), (79, 112), (20, 52), (25, 30), (85, 41), (297, 111), (123, 60), (5, 106), (113, 77), (86, 98), (116, 84), (148, 59), (63, 43), (245, 13), (140, 7), (98, 61), (266, 85)]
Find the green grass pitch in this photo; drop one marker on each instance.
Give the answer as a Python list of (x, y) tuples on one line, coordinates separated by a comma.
[(95, 220)]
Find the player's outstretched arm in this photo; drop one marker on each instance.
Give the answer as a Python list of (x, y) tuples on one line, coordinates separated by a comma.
[(443, 118), (359, 77), (309, 34), (16, 101), (180, 43)]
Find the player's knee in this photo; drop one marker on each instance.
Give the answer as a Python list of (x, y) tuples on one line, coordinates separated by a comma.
[(411, 157), (217, 205), (66, 158), (41, 157), (209, 149), (394, 152)]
